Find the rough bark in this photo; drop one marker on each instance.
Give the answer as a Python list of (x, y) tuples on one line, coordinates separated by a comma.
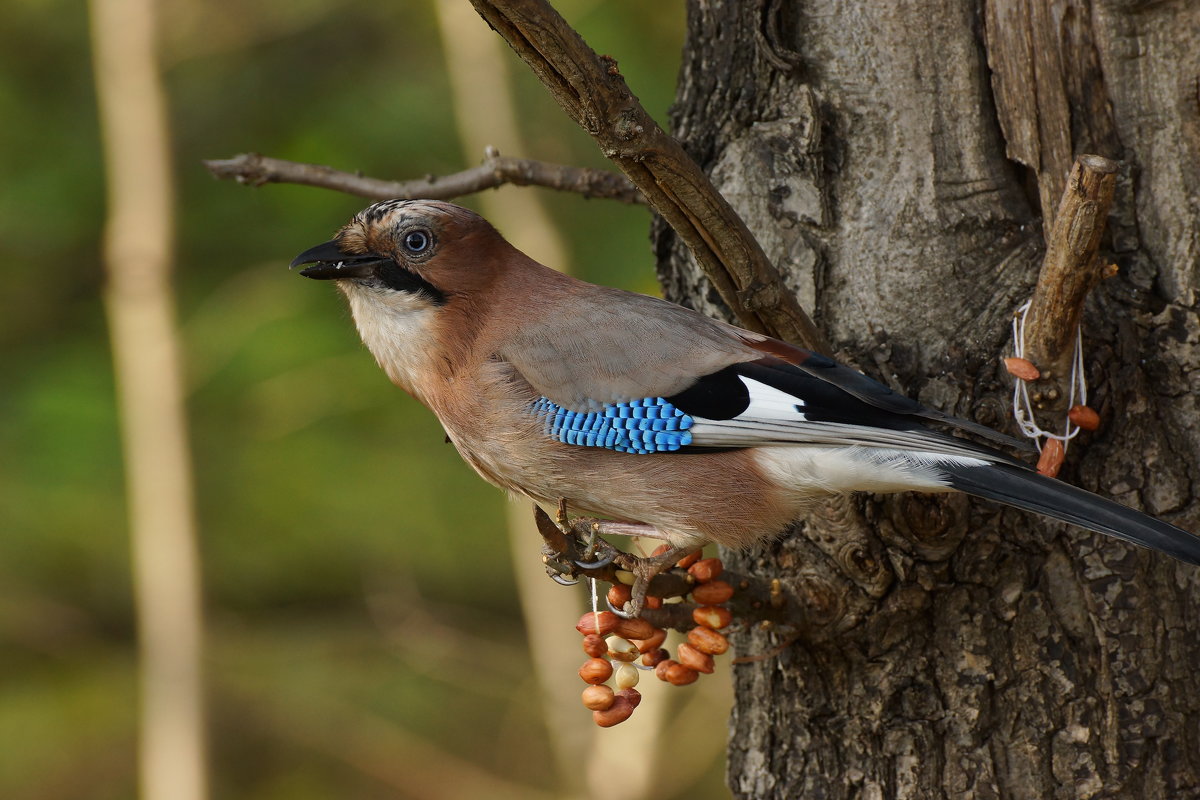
[(968, 651)]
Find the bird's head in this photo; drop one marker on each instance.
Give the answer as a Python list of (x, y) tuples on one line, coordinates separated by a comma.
[(409, 253), (416, 274)]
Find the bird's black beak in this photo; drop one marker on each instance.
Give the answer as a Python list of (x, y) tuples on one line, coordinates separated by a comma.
[(329, 262)]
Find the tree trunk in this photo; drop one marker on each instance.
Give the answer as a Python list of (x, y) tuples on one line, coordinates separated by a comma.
[(894, 159)]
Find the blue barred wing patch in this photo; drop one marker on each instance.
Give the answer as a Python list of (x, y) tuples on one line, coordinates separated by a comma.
[(651, 425)]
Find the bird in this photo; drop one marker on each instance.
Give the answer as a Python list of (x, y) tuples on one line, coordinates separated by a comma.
[(655, 418)]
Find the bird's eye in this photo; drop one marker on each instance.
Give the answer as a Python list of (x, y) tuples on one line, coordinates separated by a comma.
[(416, 241)]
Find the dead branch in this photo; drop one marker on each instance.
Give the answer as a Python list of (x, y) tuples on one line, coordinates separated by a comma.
[(1069, 271), (591, 90), (496, 170)]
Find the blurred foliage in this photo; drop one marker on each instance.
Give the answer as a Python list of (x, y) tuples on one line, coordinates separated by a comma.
[(356, 572)]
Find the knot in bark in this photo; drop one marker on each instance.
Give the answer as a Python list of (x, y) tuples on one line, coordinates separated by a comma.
[(932, 525), (758, 296)]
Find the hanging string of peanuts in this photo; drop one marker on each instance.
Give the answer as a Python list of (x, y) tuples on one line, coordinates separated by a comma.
[(618, 649)]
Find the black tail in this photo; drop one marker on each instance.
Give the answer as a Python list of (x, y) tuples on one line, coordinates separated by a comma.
[(1028, 490)]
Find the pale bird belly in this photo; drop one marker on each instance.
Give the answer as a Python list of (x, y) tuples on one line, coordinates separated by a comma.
[(689, 498)]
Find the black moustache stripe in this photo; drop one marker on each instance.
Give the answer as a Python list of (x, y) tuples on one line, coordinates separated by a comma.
[(396, 277)]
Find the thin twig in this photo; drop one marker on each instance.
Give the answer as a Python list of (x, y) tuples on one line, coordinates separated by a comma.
[(496, 170), (591, 90), (1069, 271)]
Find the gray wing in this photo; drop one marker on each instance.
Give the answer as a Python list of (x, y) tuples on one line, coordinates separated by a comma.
[(611, 346)]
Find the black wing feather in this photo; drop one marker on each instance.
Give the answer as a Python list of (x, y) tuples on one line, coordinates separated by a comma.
[(1026, 489), (722, 395)]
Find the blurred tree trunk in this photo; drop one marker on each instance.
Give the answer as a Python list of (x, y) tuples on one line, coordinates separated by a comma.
[(147, 367), (894, 159)]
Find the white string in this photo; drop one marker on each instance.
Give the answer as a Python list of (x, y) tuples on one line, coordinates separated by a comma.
[(1023, 407), (595, 604)]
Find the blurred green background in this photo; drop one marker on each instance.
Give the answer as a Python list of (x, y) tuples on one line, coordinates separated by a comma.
[(363, 626)]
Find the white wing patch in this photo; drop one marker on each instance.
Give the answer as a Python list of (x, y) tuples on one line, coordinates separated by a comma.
[(776, 418), (769, 403)]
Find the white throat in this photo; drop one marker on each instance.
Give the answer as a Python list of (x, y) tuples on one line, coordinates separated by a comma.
[(395, 327)]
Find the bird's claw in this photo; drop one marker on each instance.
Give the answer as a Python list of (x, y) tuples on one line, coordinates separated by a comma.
[(597, 554), (604, 561), (627, 611), (561, 573)]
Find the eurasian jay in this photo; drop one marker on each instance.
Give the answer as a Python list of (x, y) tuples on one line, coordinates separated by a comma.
[(666, 422)]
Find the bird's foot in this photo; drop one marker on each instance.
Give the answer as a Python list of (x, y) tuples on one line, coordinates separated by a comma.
[(560, 545), (645, 569), (574, 546)]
